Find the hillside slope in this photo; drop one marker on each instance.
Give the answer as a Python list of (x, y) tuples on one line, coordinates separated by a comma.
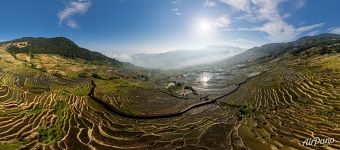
[(274, 50), (57, 45)]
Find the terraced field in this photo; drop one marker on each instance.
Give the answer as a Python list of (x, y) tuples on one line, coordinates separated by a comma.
[(277, 105), (53, 120), (289, 104)]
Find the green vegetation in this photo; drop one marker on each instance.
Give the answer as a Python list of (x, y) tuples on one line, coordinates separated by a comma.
[(60, 108), (310, 127), (331, 123), (245, 111), (35, 86), (20, 69), (104, 76), (176, 87), (49, 135), (59, 45), (327, 113), (11, 145), (31, 55), (78, 90), (36, 110), (65, 92), (96, 76), (330, 49), (82, 75), (117, 85)]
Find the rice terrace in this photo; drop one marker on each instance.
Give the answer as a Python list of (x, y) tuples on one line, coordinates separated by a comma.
[(282, 93)]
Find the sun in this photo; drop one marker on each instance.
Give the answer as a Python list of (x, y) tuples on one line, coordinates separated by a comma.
[(203, 26)]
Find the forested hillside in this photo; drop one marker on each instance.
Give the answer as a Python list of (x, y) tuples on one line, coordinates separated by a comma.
[(58, 45)]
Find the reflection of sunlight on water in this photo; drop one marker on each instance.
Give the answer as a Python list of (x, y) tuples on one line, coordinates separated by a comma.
[(254, 74), (205, 77)]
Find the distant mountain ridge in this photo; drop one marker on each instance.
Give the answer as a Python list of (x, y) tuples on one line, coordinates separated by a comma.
[(56, 45), (273, 50), (183, 58)]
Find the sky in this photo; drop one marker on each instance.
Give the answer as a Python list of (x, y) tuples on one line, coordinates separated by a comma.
[(124, 27)]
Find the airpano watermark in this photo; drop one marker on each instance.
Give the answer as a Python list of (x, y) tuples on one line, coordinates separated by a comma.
[(315, 141)]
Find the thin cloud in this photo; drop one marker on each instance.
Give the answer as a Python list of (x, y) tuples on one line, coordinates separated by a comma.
[(72, 24), (310, 27), (282, 31), (299, 4), (238, 5), (335, 30), (77, 7), (175, 2), (286, 15), (312, 33), (176, 11), (209, 3), (266, 12), (223, 21), (278, 30)]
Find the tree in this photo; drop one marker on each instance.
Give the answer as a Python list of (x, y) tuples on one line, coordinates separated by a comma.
[(337, 48), (31, 55)]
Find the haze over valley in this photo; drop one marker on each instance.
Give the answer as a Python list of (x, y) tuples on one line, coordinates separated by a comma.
[(184, 58)]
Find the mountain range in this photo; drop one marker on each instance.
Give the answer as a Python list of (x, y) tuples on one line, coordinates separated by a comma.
[(298, 46), (183, 58), (173, 59)]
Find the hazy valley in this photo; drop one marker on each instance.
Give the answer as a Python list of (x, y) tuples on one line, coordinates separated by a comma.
[(179, 59)]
